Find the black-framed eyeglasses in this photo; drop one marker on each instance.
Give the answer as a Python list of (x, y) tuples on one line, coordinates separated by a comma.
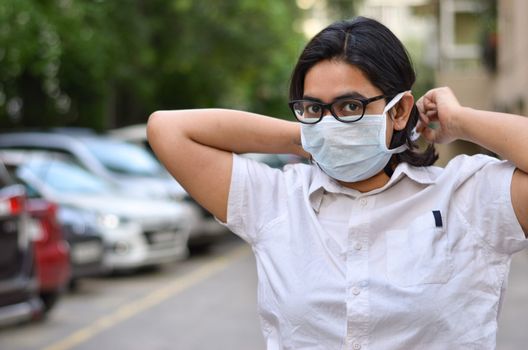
[(346, 110)]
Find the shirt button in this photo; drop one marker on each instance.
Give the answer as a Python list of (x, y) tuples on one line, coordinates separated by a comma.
[(356, 291), (363, 283), (356, 346), (363, 202), (358, 246)]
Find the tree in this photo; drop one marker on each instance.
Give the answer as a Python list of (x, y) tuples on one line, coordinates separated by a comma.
[(231, 53), (100, 63)]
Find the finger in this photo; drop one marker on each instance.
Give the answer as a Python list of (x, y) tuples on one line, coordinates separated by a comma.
[(422, 122), (432, 115), (421, 128), (431, 112), (419, 105), (429, 134), (429, 105), (423, 118), (422, 112), (431, 96)]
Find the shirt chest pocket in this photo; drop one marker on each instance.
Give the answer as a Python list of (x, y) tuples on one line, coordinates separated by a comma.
[(419, 254)]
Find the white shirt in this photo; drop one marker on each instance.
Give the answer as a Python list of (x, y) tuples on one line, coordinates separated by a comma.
[(421, 263)]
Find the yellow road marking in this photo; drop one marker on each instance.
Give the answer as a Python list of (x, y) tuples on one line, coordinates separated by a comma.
[(152, 299)]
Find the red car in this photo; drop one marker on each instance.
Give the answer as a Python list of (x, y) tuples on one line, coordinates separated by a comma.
[(52, 254)]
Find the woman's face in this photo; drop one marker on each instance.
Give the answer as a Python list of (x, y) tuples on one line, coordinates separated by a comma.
[(330, 79)]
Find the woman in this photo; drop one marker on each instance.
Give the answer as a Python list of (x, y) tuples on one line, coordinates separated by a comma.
[(369, 247)]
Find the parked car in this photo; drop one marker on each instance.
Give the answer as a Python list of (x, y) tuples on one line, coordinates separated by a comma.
[(129, 166), (86, 243), (82, 235), (125, 165), (52, 252), (136, 231), (18, 284), (207, 230)]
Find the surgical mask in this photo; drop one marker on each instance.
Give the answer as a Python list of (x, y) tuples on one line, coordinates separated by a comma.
[(350, 152)]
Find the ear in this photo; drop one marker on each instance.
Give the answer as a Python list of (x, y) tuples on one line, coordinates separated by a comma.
[(402, 111)]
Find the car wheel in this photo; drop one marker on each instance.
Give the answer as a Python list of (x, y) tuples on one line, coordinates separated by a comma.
[(201, 248), (73, 285), (49, 299)]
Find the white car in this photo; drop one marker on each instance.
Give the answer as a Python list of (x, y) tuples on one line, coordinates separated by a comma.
[(136, 231)]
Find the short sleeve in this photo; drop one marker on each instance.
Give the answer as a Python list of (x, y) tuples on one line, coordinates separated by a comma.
[(488, 206), (254, 197)]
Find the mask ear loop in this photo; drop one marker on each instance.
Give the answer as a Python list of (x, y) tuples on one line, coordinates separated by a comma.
[(389, 169), (387, 110), (415, 135), (396, 99)]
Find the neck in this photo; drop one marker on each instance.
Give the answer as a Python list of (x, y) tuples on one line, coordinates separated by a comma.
[(377, 181)]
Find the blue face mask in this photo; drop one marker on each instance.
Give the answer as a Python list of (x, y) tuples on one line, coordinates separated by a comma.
[(350, 152)]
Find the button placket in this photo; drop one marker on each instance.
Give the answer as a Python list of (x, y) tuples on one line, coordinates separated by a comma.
[(357, 273), (353, 343)]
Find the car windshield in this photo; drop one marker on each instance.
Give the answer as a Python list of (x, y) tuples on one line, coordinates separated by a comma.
[(125, 158), (66, 177)]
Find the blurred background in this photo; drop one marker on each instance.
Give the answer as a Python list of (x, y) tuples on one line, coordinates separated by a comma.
[(98, 242)]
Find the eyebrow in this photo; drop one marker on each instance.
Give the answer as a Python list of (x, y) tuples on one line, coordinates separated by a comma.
[(352, 94)]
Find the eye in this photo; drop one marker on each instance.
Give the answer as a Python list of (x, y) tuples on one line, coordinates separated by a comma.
[(352, 107), (312, 108), (349, 107)]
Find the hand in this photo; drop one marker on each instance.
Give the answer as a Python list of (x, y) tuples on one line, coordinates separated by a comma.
[(440, 112)]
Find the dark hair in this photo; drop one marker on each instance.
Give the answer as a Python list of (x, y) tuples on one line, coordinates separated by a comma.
[(377, 52)]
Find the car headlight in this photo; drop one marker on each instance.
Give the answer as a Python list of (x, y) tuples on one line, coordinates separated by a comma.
[(110, 221)]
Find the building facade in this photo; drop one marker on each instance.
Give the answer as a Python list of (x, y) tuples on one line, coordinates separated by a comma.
[(477, 48)]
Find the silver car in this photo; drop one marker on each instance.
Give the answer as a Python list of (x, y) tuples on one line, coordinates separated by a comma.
[(136, 231), (129, 165)]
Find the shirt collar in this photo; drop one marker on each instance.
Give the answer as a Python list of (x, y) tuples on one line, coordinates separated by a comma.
[(322, 183)]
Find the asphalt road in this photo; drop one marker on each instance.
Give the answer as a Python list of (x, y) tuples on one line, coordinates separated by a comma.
[(206, 302)]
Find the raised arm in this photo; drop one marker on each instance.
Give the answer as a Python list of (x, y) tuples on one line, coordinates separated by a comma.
[(196, 147), (501, 133)]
